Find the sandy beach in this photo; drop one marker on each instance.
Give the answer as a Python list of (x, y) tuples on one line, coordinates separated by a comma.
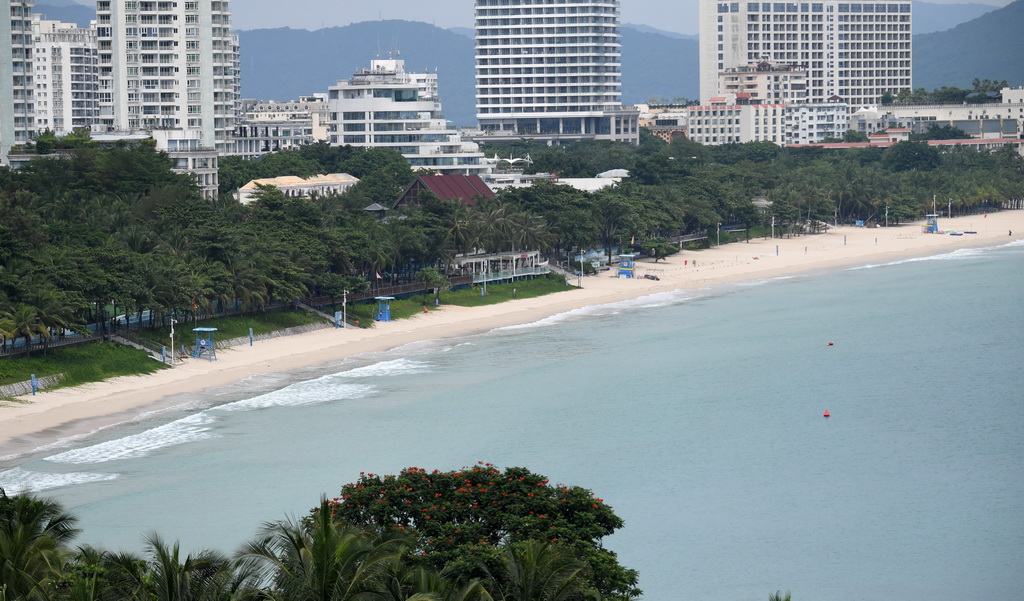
[(51, 416)]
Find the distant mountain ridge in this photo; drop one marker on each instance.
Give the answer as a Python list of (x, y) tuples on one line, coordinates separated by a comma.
[(276, 65), (989, 47)]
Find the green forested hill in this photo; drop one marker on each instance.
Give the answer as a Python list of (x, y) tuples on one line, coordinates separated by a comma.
[(989, 47)]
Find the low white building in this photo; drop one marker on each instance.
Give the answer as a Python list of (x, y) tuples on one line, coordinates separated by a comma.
[(994, 120), (666, 121), (295, 187), (732, 120), (385, 106), (191, 156), (727, 123), (266, 126)]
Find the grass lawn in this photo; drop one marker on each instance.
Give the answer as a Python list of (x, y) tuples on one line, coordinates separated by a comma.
[(232, 327), (80, 364), (366, 313), (100, 361)]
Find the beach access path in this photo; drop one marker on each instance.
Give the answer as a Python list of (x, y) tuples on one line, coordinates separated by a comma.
[(38, 420)]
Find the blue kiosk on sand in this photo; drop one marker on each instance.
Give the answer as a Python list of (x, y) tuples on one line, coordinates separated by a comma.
[(206, 345), (384, 307), (627, 266), (931, 224)]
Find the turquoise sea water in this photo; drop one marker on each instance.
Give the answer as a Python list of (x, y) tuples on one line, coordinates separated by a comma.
[(697, 416)]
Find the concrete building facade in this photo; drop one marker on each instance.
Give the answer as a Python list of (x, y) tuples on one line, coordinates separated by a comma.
[(812, 123), (728, 120), (765, 83), (169, 65), (17, 87), (66, 76), (858, 51), (385, 106), (551, 70), (267, 125), (993, 120)]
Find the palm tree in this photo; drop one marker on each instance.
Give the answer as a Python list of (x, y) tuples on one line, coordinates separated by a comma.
[(539, 571), (53, 312), (33, 538), (778, 596), (23, 322), (400, 581), (202, 577), (320, 560)]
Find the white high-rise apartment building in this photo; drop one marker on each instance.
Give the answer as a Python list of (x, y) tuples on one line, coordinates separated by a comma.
[(857, 51), (551, 70), (65, 76), (385, 106), (17, 106), (169, 64)]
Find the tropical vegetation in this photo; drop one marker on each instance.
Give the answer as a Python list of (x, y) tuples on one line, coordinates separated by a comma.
[(333, 555), (102, 232)]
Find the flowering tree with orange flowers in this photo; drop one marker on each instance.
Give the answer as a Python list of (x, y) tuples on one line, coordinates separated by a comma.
[(462, 518)]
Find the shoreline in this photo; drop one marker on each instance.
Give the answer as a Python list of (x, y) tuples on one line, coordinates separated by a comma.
[(50, 417)]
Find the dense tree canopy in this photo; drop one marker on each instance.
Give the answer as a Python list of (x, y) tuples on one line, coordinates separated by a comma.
[(476, 534), (461, 518), (102, 231)]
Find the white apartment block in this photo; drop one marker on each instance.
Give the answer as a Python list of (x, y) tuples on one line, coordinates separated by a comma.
[(725, 121), (384, 106), (812, 123), (167, 64), (266, 126), (551, 70), (765, 83), (857, 51), (17, 106), (65, 76), (715, 124)]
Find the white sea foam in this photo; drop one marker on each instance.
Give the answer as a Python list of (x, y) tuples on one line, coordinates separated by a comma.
[(661, 299), (315, 392), (189, 429), (960, 254), (17, 480), (763, 281), (395, 367)]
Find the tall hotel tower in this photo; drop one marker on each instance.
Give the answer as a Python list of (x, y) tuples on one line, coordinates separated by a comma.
[(551, 70), (857, 51), (169, 65), (17, 89)]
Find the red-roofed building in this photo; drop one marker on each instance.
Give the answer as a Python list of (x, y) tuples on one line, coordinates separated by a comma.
[(464, 188)]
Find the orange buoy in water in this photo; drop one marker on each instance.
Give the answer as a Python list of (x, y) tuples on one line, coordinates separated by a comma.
[(827, 413)]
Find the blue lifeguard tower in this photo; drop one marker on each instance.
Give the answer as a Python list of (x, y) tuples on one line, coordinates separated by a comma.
[(206, 344), (384, 307), (627, 266), (931, 224)]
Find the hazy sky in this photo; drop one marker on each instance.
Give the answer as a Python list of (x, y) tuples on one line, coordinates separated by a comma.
[(679, 16)]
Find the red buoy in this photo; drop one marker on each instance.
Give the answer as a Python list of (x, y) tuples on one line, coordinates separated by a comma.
[(830, 343), (827, 413)]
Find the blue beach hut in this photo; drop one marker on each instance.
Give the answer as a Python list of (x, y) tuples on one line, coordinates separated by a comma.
[(206, 344), (384, 307), (627, 266)]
